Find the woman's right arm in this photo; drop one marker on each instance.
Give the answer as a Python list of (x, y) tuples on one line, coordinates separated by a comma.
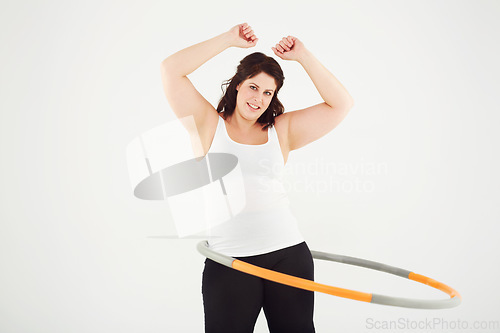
[(182, 96)]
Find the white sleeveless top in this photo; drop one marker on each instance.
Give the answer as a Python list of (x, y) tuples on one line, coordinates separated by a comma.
[(266, 223)]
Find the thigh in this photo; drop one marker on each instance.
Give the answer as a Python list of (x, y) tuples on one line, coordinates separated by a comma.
[(290, 309), (232, 300)]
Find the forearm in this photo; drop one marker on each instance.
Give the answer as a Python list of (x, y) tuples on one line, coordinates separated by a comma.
[(187, 60), (331, 90)]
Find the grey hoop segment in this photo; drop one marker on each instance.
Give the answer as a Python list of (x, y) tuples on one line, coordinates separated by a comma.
[(453, 301)]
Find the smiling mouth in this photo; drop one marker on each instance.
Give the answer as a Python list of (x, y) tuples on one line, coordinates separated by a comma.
[(253, 107)]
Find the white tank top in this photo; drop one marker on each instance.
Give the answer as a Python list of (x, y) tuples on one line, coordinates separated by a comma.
[(266, 223)]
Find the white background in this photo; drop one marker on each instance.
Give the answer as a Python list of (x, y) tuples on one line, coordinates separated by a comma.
[(79, 80)]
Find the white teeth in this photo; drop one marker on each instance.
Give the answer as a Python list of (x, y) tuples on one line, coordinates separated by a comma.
[(253, 106)]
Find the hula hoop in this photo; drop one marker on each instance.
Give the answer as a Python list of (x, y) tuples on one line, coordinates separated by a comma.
[(454, 300)]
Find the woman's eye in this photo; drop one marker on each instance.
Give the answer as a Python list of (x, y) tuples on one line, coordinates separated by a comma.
[(268, 93), (252, 87)]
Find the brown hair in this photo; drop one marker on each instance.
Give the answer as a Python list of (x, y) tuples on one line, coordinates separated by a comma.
[(253, 64)]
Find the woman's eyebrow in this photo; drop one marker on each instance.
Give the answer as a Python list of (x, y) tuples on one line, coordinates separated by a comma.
[(259, 87)]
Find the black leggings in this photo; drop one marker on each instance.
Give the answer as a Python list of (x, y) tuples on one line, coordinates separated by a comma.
[(233, 299)]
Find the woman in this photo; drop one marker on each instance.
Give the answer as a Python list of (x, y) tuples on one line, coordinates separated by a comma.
[(249, 122)]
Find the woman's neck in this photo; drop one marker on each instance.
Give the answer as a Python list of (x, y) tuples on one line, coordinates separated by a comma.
[(243, 125)]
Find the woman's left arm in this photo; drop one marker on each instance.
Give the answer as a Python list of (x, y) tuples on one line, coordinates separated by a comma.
[(310, 124)]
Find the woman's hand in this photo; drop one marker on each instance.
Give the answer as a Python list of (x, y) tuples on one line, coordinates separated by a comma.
[(289, 48), (242, 35)]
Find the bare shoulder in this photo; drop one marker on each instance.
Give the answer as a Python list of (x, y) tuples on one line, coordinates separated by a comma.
[(281, 123)]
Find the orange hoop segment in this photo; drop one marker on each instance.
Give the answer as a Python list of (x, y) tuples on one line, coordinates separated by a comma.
[(299, 282)]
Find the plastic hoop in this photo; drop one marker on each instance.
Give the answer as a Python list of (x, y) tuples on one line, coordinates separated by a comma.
[(454, 300)]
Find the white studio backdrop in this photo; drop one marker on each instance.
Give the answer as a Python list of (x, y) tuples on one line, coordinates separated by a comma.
[(409, 178)]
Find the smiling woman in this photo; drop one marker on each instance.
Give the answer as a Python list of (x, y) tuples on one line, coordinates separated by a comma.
[(254, 87), (257, 98), (249, 122)]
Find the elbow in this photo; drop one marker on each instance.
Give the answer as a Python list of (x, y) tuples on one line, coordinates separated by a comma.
[(171, 67), (168, 69), (345, 105), (165, 63), (344, 102), (349, 103), (170, 63)]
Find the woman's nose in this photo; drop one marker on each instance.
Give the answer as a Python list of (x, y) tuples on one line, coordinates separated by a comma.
[(258, 97)]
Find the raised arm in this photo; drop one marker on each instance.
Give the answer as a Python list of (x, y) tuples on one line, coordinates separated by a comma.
[(310, 124), (182, 96)]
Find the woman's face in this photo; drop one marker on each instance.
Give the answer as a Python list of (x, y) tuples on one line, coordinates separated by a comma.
[(255, 95)]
